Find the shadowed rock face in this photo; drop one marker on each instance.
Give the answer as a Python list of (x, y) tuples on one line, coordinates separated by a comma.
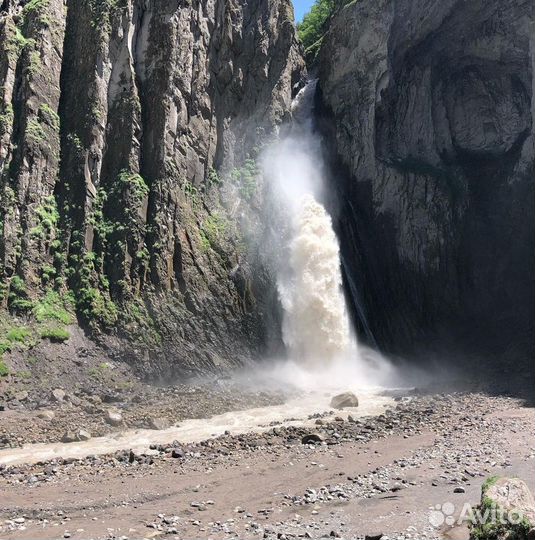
[(429, 107), (113, 115)]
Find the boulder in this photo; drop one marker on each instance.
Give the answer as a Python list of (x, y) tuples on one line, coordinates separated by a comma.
[(58, 395), (21, 396), (511, 494), (347, 399), (76, 436), (69, 437), (159, 423), (512, 499), (113, 417), (46, 415), (83, 435), (312, 438)]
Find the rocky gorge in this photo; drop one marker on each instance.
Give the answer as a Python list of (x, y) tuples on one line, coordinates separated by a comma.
[(132, 198), (162, 373)]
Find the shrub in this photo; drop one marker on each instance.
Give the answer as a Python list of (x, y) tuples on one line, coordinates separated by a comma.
[(314, 25), (18, 335), (95, 307), (52, 308), (56, 335), (4, 370), (245, 177), (18, 298), (213, 231)]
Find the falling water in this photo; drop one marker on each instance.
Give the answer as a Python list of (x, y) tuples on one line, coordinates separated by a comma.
[(316, 328)]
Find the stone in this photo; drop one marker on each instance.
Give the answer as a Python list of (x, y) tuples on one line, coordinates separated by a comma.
[(46, 415), (312, 438), (69, 437), (83, 435), (113, 417), (159, 423), (21, 396), (76, 401), (58, 395), (177, 453), (347, 399), (510, 494), (76, 436), (459, 489)]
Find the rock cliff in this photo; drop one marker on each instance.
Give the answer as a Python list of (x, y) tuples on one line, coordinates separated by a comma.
[(429, 109), (127, 167)]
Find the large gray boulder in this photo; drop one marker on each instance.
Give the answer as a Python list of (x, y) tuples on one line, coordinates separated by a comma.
[(347, 399), (511, 501)]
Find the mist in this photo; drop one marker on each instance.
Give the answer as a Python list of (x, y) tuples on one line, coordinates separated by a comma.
[(322, 348)]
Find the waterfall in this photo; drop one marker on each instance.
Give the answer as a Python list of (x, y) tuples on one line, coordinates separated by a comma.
[(316, 328)]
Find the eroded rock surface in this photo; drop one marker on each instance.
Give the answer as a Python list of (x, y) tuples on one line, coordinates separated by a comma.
[(429, 108), (127, 133)]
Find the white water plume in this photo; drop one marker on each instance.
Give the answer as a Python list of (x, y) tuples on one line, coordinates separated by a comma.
[(316, 327)]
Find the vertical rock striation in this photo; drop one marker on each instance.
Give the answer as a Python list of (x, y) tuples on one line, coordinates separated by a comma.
[(428, 106), (127, 163)]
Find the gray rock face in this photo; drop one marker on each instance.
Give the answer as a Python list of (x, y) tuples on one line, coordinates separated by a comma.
[(429, 106), (124, 129)]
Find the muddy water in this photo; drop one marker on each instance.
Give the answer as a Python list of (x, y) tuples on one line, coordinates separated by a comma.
[(293, 412)]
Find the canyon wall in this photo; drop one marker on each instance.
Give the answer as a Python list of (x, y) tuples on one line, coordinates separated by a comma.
[(427, 107), (128, 136)]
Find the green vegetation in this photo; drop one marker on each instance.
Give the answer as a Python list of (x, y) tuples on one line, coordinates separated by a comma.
[(18, 335), (214, 178), (94, 307), (35, 134), (48, 217), (314, 25), (55, 334), (49, 116), (134, 183), (36, 11), (498, 529), (4, 370), (191, 192), (213, 231), (35, 62), (6, 118), (246, 177), (103, 12), (15, 41), (53, 307), (99, 371), (18, 299), (14, 336)]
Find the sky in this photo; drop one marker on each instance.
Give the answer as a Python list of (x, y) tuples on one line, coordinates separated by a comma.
[(301, 7)]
